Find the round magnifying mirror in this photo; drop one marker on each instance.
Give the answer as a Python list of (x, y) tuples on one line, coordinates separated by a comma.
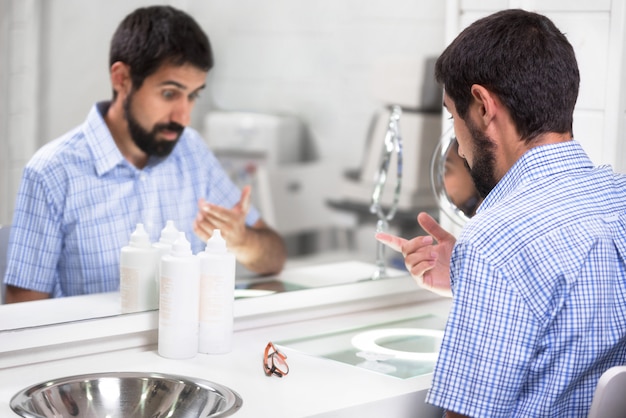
[(451, 181)]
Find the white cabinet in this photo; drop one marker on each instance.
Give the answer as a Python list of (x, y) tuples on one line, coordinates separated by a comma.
[(596, 31)]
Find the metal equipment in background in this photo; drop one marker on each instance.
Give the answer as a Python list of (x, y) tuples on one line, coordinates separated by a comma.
[(270, 153), (391, 144), (245, 142)]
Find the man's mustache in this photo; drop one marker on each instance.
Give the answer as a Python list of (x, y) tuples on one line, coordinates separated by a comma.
[(172, 126)]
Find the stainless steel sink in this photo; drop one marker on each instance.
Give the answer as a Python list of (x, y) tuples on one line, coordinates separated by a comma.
[(126, 394)]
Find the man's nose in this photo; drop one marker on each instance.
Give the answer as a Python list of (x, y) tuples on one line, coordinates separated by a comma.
[(181, 113)]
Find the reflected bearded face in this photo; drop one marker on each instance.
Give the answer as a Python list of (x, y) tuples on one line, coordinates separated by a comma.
[(483, 164), (147, 141)]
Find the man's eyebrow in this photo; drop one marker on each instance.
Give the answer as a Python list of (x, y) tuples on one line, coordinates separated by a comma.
[(179, 85), (173, 83)]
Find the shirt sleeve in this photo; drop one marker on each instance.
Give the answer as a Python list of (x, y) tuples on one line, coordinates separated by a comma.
[(36, 237), (488, 344)]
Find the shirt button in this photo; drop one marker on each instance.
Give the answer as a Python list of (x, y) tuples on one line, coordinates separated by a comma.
[(142, 177)]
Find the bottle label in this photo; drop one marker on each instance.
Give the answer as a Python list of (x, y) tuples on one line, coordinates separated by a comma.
[(129, 289), (165, 302), (212, 293), (176, 303)]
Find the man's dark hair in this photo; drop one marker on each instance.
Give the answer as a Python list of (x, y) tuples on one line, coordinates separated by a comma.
[(152, 36), (525, 60)]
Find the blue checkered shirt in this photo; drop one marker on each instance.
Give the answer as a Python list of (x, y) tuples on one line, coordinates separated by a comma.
[(539, 284), (80, 199)]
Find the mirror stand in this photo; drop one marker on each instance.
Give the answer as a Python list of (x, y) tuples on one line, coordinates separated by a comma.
[(393, 142)]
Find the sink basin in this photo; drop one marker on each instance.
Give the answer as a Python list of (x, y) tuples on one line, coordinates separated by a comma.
[(126, 394)]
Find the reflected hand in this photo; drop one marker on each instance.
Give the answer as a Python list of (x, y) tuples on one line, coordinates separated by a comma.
[(230, 222), (427, 262)]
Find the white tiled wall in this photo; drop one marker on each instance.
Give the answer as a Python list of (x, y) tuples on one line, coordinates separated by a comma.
[(316, 59), (4, 71), (319, 60), (20, 91)]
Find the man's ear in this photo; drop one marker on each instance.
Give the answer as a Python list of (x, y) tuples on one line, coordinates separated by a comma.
[(120, 78), (484, 104)]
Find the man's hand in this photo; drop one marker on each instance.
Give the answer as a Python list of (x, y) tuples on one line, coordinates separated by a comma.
[(258, 247), (427, 261), (230, 222)]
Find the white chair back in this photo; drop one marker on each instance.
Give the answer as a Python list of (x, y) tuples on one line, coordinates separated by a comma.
[(609, 399)]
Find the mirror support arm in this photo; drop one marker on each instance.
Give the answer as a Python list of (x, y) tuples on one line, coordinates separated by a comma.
[(393, 142)]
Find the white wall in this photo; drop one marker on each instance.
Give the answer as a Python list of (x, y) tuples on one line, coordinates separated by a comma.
[(19, 91), (319, 60)]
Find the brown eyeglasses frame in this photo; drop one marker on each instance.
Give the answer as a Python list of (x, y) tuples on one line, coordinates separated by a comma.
[(271, 358)]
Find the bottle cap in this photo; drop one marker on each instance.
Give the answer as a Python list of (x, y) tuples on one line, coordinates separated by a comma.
[(169, 234), (181, 247), (139, 238), (216, 243)]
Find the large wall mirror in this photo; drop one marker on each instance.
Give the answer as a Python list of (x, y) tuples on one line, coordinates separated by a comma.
[(332, 64)]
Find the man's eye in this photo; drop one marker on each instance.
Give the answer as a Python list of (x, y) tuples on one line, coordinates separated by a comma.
[(194, 96), (168, 94)]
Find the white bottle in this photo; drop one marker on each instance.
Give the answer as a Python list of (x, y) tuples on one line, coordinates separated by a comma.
[(169, 234), (138, 271), (217, 295), (179, 301)]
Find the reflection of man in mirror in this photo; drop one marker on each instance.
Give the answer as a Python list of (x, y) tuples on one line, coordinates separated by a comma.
[(458, 182), (133, 160), (538, 275)]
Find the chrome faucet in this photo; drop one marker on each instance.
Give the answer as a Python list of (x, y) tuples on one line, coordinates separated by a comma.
[(393, 142)]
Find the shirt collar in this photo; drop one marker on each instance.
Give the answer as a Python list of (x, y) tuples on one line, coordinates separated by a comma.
[(103, 147), (105, 152), (536, 163)]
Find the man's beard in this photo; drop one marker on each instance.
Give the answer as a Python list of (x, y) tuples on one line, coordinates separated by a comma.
[(483, 166), (147, 141)]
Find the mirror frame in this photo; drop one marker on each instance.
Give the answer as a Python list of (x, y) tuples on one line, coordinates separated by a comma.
[(437, 173)]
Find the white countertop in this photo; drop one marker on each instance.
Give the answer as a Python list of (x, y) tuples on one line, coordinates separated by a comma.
[(315, 386), (308, 272)]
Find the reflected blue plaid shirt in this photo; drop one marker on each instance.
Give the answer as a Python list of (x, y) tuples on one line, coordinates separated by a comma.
[(80, 200), (539, 284)]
